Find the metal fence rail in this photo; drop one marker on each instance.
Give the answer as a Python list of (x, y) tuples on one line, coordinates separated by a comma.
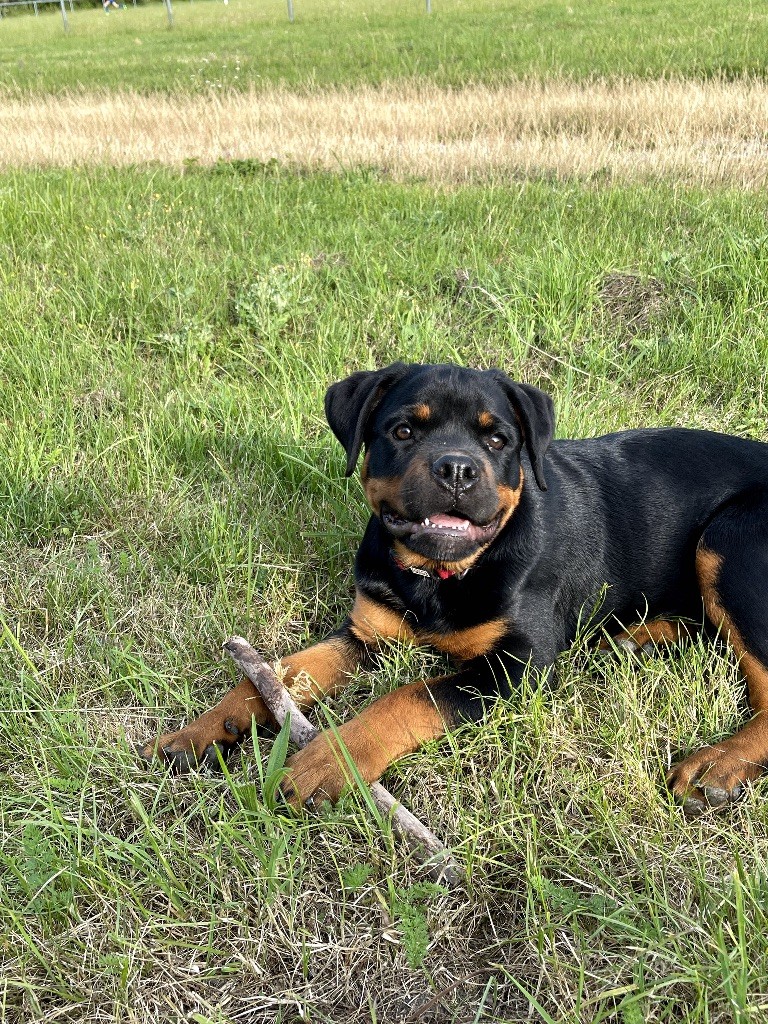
[(35, 4), (31, 3), (62, 5)]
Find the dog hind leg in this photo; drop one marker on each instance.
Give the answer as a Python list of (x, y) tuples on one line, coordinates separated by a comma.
[(648, 637), (732, 568)]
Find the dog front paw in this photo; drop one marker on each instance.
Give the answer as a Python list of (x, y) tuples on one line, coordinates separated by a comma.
[(712, 777), (217, 732), (197, 745), (317, 773)]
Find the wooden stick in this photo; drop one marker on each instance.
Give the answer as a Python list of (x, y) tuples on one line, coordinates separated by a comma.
[(439, 863)]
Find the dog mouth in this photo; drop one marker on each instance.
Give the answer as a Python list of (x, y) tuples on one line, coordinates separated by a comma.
[(450, 529)]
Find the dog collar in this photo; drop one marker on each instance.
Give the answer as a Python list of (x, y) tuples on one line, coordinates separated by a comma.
[(438, 574)]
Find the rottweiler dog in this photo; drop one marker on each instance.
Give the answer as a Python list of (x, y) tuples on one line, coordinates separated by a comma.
[(489, 541)]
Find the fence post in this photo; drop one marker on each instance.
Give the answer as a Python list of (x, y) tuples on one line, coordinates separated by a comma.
[(169, 10), (290, 10), (429, 6), (64, 16)]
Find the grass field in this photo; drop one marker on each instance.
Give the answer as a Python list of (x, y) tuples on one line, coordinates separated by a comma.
[(167, 479), (700, 133), (341, 42)]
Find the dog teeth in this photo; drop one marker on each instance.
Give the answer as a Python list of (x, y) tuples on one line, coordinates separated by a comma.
[(442, 526)]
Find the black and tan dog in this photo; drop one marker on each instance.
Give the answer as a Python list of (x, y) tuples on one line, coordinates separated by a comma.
[(488, 541)]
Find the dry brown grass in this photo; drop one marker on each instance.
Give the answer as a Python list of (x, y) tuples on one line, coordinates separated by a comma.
[(706, 132)]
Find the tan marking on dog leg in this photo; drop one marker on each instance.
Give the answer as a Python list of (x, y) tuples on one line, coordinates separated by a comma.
[(224, 725), (715, 775), (661, 632), (321, 669), (394, 725)]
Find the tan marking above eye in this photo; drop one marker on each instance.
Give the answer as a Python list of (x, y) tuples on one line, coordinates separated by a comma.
[(421, 412), (486, 420)]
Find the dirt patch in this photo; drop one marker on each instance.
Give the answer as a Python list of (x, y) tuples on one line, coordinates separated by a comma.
[(633, 303)]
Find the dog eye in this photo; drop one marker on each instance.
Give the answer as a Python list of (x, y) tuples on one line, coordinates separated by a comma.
[(497, 442), (402, 432)]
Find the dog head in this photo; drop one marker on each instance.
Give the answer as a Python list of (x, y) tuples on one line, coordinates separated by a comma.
[(442, 467)]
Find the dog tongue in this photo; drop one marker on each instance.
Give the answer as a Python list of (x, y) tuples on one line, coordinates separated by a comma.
[(451, 521)]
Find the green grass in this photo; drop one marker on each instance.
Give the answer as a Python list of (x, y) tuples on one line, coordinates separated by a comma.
[(167, 479), (344, 42)]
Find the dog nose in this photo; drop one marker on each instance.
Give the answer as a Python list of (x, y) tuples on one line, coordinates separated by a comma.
[(456, 471)]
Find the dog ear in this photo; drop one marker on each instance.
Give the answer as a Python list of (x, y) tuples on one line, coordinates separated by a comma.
[(350, 403), (535, 411)]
